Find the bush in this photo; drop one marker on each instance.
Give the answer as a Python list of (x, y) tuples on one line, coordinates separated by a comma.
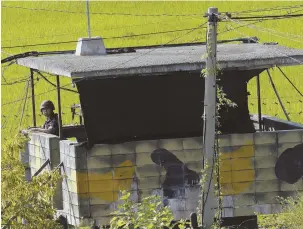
[(291, 218), (20, 199), (149, 214)]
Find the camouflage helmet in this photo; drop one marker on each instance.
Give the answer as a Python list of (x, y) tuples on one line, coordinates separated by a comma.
[(47, 104)]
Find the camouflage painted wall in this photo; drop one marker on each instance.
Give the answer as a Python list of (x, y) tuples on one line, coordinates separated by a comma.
[(254, 170), (40, 148), (164, 167)]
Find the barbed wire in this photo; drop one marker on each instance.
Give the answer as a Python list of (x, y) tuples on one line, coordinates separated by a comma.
[(292, 103)]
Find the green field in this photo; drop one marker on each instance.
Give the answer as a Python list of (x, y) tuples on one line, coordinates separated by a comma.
[(24, 26)]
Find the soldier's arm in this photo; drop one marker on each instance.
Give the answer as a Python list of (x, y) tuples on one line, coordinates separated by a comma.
[(50, 130)]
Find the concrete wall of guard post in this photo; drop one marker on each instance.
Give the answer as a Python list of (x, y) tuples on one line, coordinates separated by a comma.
[(40, 148), (94, 177), (75, 194), (248, 180)]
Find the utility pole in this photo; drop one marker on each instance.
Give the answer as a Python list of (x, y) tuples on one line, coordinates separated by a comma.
[(209, 133), (88, 19)]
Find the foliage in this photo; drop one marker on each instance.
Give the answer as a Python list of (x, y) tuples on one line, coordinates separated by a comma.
[(291, 218), (30, 201), (203, 189), (148, 214)]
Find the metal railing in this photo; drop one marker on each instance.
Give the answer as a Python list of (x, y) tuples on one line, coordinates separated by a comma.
[(270, 123)]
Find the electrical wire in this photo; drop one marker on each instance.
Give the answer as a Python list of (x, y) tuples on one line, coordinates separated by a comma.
[(105, 38), (24, 104), (149, 15), (277, 94), (43, 77), (20, 107), (104, 13), (192, 30), (258, 28), (256, 41), (228, 30), (268, 16), (105, 29), (290, 81), (154, 33), (78, 80), (267, 9), (4, 69), (14, 82)]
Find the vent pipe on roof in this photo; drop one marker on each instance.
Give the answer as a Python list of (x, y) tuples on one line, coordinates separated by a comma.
[(90, 47)]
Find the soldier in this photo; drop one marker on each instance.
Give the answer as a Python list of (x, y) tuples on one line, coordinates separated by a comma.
[(51, 125)]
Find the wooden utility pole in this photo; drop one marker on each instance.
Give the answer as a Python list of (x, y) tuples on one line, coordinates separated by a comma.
[(209, 135)]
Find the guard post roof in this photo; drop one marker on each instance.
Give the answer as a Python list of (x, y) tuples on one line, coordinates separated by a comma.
[(157, 93), (165, 60)]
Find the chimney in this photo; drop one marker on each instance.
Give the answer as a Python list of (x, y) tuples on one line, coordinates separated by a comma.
[(90, 47)]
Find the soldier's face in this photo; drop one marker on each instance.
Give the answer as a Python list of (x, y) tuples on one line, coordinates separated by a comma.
[(47, 112)]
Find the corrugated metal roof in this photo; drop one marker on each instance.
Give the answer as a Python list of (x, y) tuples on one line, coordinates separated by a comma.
[(163, 60)]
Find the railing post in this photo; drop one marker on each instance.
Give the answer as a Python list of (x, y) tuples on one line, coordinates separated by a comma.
[(59, 107), (33, 96), (259, 103)]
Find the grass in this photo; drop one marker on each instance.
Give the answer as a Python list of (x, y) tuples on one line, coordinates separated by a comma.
[(21, 26)]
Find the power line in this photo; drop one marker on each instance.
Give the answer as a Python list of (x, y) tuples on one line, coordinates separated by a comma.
[(258, 15), (274, 31), (149, 15), (105, 13), (112, 67), (15, 101), (106, 38), (4, 69), (154, 48), (269, 16), (277, 32), (155, 33), (20, 107), (277, 94), (262, 30), (14, 82), (157, 48), (23, 109), (267, 9), (228, 30), (290, 81), (66, 89), (105, 29)]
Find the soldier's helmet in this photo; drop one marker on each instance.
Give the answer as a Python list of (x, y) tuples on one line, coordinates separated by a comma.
[(47, 104)]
